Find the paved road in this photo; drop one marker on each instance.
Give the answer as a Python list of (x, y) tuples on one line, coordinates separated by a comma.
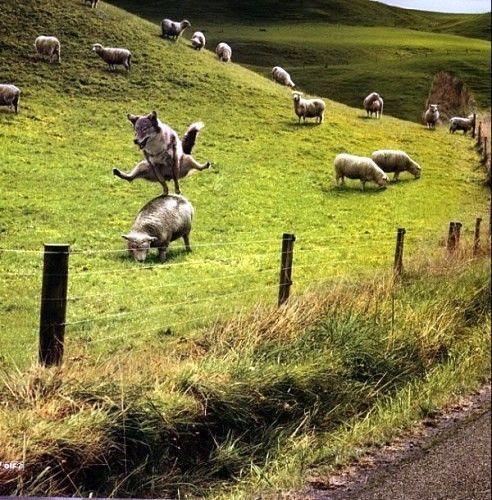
[(454, 464)]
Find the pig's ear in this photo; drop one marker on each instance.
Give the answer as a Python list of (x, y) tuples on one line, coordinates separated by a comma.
[(126, 236)]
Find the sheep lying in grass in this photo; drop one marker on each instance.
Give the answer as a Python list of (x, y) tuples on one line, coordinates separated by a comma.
[(459, 123), (113, 56), (281, 76), (160, 221), (9, 96), (224, 52), (391, 160), (358, 167), (373, 104), (198, 40), (92, 2), (308, 108), (172, 30), (48, 46), (431, 116)]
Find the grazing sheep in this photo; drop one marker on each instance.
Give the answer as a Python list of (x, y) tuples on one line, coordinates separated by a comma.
[(9, 96), (113, 56), (432, 115), (198, 40), (281, 76), (93, 3), (465, 124), (172, 29), (373, 104), (358, 167), (48, 46), (308, 108), (224, 52), (391, 160), (162, 220)]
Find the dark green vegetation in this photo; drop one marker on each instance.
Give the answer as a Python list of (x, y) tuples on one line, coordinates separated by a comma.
[(143, 365), (258, 400), (345, 50)]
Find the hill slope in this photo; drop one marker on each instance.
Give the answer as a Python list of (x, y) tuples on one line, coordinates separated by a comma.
[(269, 176)]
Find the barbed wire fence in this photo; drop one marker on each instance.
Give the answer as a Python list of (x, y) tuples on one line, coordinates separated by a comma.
[(55, 300)]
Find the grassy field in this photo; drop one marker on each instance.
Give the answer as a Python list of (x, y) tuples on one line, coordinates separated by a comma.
[(360, 47), (167, 323)]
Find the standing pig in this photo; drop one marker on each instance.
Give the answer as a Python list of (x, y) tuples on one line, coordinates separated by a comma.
[(160, 221)]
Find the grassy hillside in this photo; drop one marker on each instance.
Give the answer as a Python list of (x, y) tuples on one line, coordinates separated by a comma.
[(351, 13), (360, 47), (159, 393)]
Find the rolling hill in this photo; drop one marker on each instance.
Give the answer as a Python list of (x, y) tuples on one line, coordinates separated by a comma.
[(145, 396)]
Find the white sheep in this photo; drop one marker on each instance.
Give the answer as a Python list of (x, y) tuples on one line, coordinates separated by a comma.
[(92, 2), (358, 167), (281, 76), (198, 40), (308, 108), (431, 116), (9, 96), (48, 46), (224, 52), (374, 104), (173, 29), (113, 56), (459, 123), (391, 160)]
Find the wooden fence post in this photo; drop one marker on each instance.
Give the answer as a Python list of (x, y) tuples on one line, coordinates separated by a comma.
[(479, 134), (484, 149), (454, 236), (286, 257), (474, 125), (53, 304), (398, 264), (476, 239)]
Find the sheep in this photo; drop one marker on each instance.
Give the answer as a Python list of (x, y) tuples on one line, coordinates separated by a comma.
[(459, 123), (374, 103), (198, 40), (358, 167), (172, 29), (48, 46), (92, 2), (162, 220), (281, 76), (308, 108), (224, 52), (390, 160), (9, 96), (113, 56), (431, 116)]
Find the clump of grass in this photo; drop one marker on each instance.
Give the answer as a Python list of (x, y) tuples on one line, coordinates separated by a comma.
[(243, 396)]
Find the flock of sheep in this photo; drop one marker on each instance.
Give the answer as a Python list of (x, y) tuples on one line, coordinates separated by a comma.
[(167, 157)]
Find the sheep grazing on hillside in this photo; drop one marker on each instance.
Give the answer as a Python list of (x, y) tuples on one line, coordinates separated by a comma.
[(113, 56), (308, 108), (358, 167), (93, 3), (172, 30), (281, 76), (48, 46), (431, 116), (9, 96), (224, 52), (459, 123), (373, 104), (198, 40), (160, 221), (391, 160)]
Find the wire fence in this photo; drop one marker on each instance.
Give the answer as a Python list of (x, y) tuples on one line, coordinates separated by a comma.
[(120, 302)]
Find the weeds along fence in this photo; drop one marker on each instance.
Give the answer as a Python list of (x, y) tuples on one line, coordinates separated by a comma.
[(103, 322)]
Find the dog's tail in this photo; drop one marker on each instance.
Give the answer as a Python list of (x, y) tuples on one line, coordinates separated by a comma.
[(190, 137)]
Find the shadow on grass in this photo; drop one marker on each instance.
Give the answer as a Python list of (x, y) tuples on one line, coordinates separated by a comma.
[(295, 125), (174, 254), (352, 189)]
